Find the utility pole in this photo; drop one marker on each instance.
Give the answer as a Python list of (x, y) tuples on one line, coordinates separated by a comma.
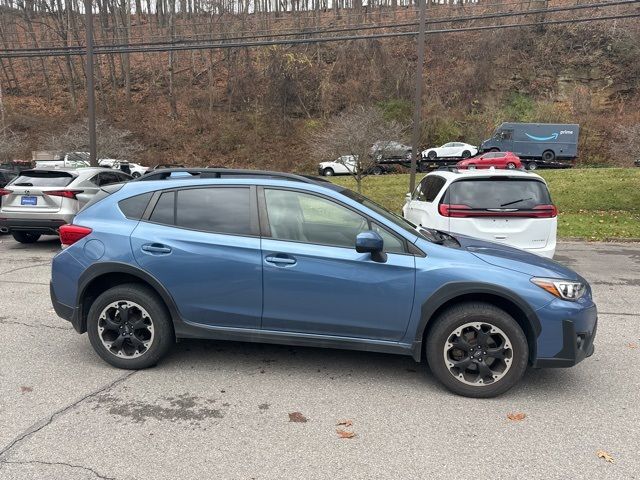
[(91, 94), (417, 113)]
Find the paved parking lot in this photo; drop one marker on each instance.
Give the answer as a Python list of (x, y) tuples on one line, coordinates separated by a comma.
[(221, 410)]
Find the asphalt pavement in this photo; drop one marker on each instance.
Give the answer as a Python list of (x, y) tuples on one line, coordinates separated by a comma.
[(221, 410)]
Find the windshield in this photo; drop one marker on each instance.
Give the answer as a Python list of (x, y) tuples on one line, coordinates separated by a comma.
[(492, 193), (392, 217)]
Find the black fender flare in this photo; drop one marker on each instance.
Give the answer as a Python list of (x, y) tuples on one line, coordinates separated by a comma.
[(104, 268), (452, 290)]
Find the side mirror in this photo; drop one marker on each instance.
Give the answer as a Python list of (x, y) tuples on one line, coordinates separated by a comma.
[(371, 242), (407, 197)]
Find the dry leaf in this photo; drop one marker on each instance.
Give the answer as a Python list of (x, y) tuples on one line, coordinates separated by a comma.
[(516, 417), (24, 389), (346, 423), (632, 345), (602, 454), (297, 417), (344, 434)]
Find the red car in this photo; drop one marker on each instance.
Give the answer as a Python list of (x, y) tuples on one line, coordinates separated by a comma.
[(492, 159)]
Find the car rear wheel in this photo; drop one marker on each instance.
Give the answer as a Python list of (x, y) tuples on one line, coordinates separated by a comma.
[(135, 174), (129, 327), (477, 350), (432, 155), (377, 171), (471, 166), (25, 237), (511, 166), (328, 172), (466, 154), (532, 165)]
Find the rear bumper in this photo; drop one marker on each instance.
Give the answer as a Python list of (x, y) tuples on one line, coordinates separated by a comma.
[(65, 312), (577, 337), (39, 223), (548, 251)]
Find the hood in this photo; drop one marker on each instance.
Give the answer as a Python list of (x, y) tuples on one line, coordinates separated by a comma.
[(515, 259)]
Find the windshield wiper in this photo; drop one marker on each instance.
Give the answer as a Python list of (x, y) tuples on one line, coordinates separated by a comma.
[(516, 201), (24, 184)]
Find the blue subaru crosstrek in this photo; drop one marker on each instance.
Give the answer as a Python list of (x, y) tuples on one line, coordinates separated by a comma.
[(281, 258)]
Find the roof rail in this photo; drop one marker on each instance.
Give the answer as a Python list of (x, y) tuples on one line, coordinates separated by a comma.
[(165, 173)]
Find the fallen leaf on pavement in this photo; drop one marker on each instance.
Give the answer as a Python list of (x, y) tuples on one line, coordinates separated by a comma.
[(516, 417), (346, 423), (24, 389), (344, 434), (297, 417), (602, 454), (632, 345)]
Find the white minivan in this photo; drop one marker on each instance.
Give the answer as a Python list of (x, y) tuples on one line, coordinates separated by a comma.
[(505, 206)]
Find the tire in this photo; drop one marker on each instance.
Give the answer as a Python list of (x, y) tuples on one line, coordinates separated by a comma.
[(494, 149), (328, 172), (548, 156), (466, 317), (136, 175), (161, 335), (532, 166), (26, 237), (377, 171), (471, 166), (511, 166), (466, 154), (432, 155)]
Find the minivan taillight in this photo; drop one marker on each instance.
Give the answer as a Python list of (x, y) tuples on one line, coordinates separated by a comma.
[(464, 211), (70, 234), (64, 193), (545, 211), (459, 211)]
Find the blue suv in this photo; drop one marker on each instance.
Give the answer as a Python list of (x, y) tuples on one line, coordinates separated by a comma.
[(280, 258)]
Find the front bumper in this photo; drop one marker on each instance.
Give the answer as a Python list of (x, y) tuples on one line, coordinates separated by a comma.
[(574, 335)]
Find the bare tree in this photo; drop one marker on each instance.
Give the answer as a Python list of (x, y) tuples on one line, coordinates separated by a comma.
[(11, 144), (112, 142), (352, 134), (626, 145)]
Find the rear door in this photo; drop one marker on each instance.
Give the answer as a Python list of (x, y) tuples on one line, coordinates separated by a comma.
[(203, 245), (37, 191), (510, 210)]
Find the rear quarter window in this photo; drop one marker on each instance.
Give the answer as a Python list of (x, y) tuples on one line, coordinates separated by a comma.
[(491, 193), (134, 207)]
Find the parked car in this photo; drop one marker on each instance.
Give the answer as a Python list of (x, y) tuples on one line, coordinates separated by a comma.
[(539, 144), (450, 150), (345, 165), (134, 169), (492, 159), (68, 160), (281, 258), (166, 165), (505, 206), (390, 150), (39, 201), (6, 176)]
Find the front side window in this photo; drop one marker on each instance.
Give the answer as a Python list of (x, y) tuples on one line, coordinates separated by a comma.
[(219, 210), (301, 217), (392, 244)]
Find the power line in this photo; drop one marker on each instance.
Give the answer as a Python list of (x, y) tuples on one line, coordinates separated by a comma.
[(104, 49)]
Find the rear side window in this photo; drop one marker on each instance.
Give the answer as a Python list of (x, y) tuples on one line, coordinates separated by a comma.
[(493, 193), (134, 207), (221, 210), (164, 211), (429, 188), (43, 178)]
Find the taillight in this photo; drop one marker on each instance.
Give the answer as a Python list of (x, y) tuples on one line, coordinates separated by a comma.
[(70, 234), (64, 193), (4, 191), (545, 211), (447, 210)]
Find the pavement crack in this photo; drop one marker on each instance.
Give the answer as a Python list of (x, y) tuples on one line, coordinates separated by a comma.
[(25, 267), (620, 313), (71, 465), (14, 322), (36, 427)]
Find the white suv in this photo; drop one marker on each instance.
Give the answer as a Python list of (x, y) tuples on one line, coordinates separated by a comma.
[(510, 207)]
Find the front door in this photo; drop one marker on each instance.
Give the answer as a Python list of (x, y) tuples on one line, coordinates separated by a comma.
[(314, 280)]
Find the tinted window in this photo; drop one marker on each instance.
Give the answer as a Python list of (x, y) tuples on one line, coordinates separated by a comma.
[(43, 178), (496, 193), (307, 218), (222, 210), (164, 211), (134, 207), (430, 187)]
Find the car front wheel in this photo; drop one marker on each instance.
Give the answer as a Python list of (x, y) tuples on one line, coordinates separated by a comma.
[(477, 350), (129, 327), (328, 172), (25, 237), (511, 166), (466, 154), (432, 155)]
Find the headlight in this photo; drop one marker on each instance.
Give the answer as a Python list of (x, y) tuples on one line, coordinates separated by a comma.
[(564, 289)]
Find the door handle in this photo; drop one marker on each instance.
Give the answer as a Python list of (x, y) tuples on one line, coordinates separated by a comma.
[(280, 261), (156, 248)]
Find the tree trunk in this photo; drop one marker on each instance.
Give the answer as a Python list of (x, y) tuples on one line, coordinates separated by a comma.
[(172, 94)]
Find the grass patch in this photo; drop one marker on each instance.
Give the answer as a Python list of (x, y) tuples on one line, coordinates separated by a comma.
[(594, 203)]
